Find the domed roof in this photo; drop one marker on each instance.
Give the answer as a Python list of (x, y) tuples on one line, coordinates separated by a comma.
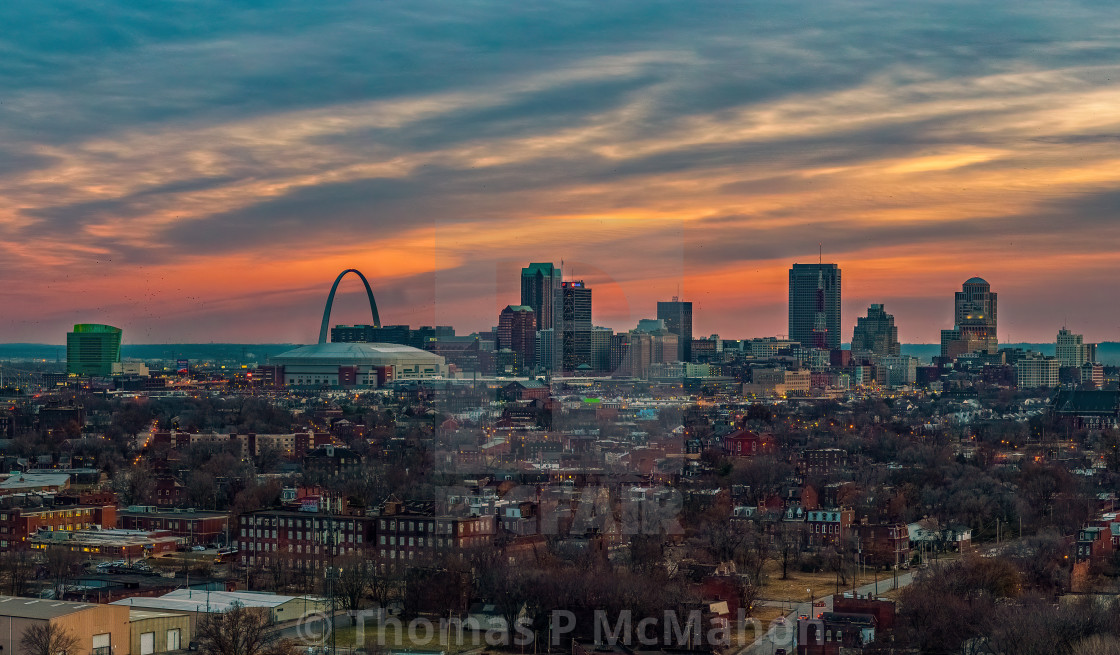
[(377, 354), (977, 280)]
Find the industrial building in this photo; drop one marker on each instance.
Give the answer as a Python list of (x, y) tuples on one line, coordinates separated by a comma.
[(99, 629)]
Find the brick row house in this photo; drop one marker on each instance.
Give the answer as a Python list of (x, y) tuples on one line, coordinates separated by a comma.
[(829, 526)]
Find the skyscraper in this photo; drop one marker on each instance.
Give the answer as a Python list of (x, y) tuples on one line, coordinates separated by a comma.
[(814, 305), (517, 331), (974, 314), (540, 289), (1071, 350), (677, 315), (92, 349), (875, 335), (601, 349), (576, 324)]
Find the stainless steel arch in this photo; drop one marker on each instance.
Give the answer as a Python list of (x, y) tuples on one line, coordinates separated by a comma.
[(330, 302)]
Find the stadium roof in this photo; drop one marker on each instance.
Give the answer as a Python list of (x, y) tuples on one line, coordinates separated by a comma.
[(376, 354)]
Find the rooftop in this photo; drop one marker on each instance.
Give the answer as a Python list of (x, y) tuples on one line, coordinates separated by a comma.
[(373, 353), (31, 480), (34, 608), (194, 600)]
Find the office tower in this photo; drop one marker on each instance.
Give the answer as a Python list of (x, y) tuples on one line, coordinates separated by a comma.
[(677, 315), (1070, 349), (601, 348), (517, 331), (875, 335), (92, 349), (545, 347), (540, 289), (974, 312), (814, 305), (620, 354), (896, 370), (576, 324), (664, 345)]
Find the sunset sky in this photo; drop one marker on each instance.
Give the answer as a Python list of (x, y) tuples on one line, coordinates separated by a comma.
[(201, 171)]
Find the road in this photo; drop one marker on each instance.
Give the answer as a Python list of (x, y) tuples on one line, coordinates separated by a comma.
[(782, 635)]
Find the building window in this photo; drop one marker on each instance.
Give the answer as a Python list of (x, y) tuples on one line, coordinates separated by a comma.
[(102, 644)]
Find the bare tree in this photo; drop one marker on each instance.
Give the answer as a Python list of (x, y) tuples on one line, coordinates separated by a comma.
[(17, 567), (48, 639), (353, 584), (61, 563), (789, 539), (385, 587), (239, 630)]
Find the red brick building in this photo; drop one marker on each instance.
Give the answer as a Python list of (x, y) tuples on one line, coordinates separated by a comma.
[(410, 534), (744, 443), (829, 526), (884, 545), (19, 524), (303, 539), (823, 461), (193, 527)]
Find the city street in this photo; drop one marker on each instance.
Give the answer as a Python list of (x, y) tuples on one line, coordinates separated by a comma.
[(782, 636)]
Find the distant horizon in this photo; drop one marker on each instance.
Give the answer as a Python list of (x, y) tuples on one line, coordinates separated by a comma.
[(199, 171)]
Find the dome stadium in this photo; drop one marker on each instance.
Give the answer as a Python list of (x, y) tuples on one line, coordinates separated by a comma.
[(357, 364), (354, 364)]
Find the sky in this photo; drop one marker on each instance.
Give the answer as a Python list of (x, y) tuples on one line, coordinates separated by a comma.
[(202, 170)]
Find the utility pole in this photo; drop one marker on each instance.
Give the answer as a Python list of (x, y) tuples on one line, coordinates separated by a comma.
[(331, 573)]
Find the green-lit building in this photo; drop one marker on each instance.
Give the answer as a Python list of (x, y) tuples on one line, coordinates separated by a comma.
[(92, 349)]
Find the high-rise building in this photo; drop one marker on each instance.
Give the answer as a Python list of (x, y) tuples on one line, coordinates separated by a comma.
[(517, 331), (677, 315), (1033, 370), (601, 348), (92, 349), (814, 305), (875, 335), (545, 350), (896, 370), (576, 324), (1070, 349), (974, 314), (540, 289)]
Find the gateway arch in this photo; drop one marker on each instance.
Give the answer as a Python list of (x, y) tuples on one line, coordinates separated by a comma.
[(330, 301)]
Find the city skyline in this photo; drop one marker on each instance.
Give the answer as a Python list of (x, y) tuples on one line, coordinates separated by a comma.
[(195, 174)]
